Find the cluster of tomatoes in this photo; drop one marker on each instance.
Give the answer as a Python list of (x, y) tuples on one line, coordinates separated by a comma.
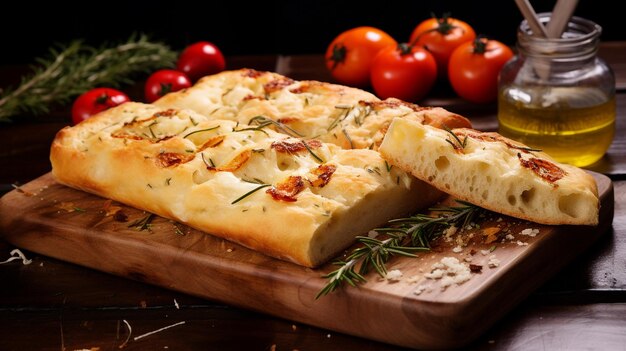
[(195, 61), (438, 48)]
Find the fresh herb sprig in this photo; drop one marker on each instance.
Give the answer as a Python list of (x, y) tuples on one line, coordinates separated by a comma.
[(75, 68), (403, 237)]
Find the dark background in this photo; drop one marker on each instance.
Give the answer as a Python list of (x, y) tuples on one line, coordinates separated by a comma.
[(278, 27)]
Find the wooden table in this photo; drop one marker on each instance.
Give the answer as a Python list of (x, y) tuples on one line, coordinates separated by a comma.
[(52, 305)]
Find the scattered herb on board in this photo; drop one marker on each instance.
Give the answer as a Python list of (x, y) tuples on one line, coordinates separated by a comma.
[(403, 237), (72, 69), (144, 223)]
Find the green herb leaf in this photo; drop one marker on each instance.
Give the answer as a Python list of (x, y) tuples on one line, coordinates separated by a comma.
[(143, 223), (200, 131), (250, 193)]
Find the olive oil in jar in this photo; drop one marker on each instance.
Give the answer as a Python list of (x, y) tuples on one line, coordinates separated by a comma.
[(557, 95), (573, 125)]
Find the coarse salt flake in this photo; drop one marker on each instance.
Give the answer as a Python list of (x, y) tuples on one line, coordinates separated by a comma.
[(450, 231), (419, 290), (451, 271), (530, 232), (493, 261)]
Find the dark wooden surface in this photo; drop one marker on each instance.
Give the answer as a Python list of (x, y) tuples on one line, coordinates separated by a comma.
[(53, 305), (212, 268)]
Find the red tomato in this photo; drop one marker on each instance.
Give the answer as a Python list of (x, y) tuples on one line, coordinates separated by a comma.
[(165, 81), (441, 36), (404, 72), (94, 101), (349, 56), (201, 59), (474, 68)]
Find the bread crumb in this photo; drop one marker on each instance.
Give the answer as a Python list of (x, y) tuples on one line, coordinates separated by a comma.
[(510, 237), (493, 261), (420, 289), (521, 243), (372, 234), (413, 279), (394, 275), (450, 231), (457, 249), (485, 252)]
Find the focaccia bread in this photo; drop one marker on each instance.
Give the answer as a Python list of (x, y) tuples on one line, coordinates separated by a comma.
[(348, 117), (295, 199), (494, 172)]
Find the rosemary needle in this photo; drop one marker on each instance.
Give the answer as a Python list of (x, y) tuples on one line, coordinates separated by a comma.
[(250, 193)]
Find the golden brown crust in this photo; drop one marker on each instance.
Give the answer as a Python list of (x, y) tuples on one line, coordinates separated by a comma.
[(303, 204), (348, 117)]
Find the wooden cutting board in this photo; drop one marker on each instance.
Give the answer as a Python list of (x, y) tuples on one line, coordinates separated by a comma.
[(413, 311)]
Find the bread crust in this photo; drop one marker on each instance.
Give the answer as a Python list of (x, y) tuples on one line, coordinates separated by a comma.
[(189, 168), (494, 172), (341, 115)]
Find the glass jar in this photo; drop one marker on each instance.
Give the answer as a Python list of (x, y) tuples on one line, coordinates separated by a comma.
[(557, 95)]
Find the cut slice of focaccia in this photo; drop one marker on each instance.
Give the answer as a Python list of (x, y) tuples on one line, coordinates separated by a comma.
[(295, 199), (348, 117), (494, 172)]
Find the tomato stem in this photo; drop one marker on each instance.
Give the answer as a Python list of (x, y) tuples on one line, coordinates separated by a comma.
[(480, 44), (339, 54), (102, 99), (165, 88), (444, 27), (405, 48)]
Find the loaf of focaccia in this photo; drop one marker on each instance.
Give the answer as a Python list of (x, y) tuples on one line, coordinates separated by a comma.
[(348, 117), (493, 172), (296, 199)]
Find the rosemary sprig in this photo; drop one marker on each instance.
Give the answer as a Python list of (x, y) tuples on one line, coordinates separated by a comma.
[(403, 237), (75, 68)]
